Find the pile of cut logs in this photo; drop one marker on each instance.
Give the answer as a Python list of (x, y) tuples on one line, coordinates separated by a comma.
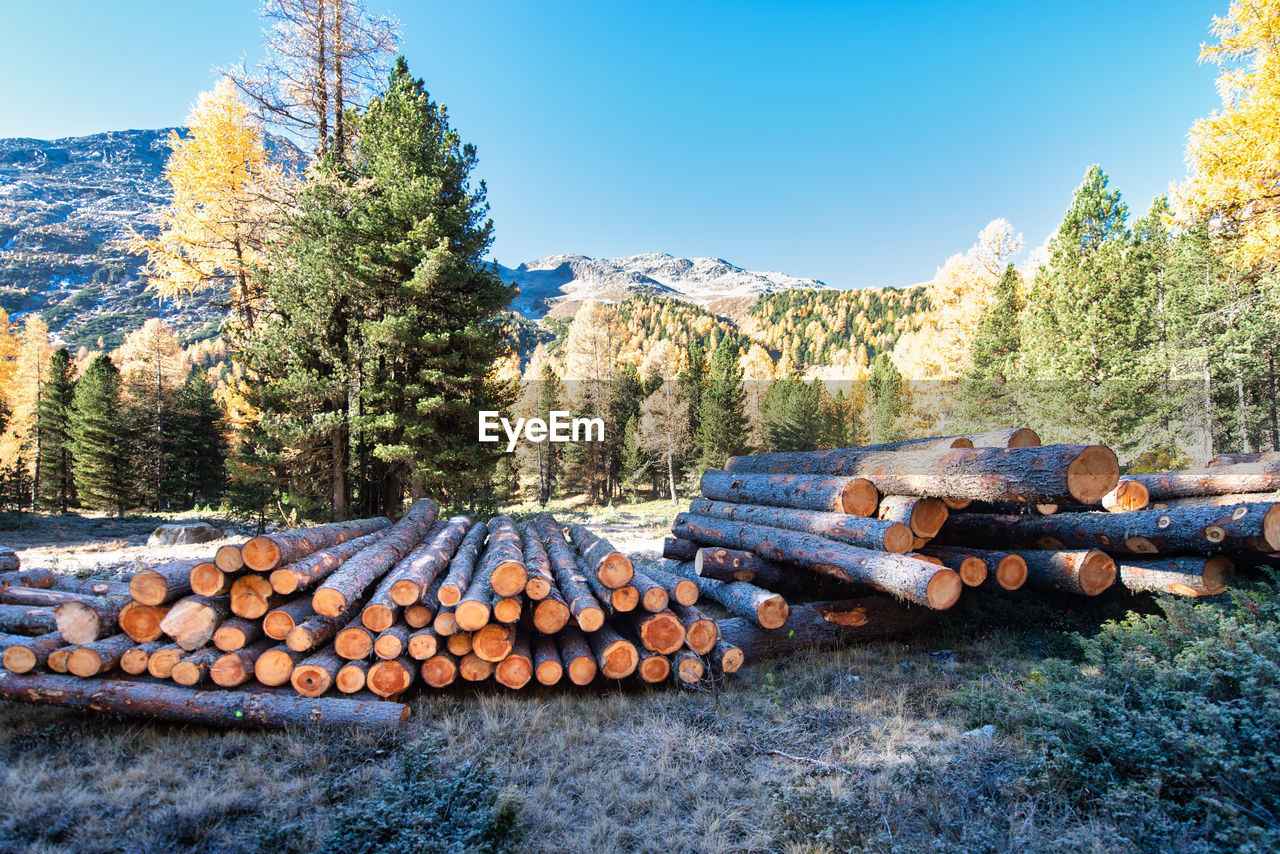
[(922, 520), (318, 624)]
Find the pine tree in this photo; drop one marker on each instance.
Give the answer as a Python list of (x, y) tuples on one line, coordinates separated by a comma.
[(624, 407), (53, 423), (197, 449), (152, 369), (550, 397), (722, 431), (793, 415), (100, 441), (887, 400), (840, 422), (692, 383), (988, 395)]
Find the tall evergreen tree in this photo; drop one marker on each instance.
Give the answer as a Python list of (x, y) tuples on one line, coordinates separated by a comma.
[(988, 394), (692, 383), (53, 423), (793, 415), (626, 397), (722, 422), (887, 400), (100, 440), (196, 466), (550, 397)]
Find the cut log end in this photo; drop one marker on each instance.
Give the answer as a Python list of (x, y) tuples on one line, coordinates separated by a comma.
[(591, 619), (624, 598), (772, 613), (85, 662), (943, 589), (928, 516), (1023, 437), (405, 592), (148, 588), (1216, 571), (549, 672), (859, 498), (18, 659), (582, 670), (439, 670), (537, 587), (686, 592), (351, 677), (260, 554), (731, 657), (690, 669), (654, 669), (377, 617), (1128, 496), (615, 570), (1097, 572), (513, 672), (310, 680), (328, 603), (509, 578), (1011, 572), (208, 580), (973, 571), (899, 539), (284, 581), (228, 559), (389, 678), (134, 662), (550, 616), (471, 615), (273, 668), (1271, 527), (1092, 474)]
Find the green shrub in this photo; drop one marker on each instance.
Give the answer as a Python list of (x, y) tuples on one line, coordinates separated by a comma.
[(1166, 726)]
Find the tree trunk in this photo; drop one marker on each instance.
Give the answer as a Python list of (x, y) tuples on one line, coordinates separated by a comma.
[(235, 667), (700, 632), (615, 655), (1178, 576), (541, 581), (24, 654), (851, 496), (269, 551), (414, 575), (319, 565), (343, 587), (876, 534), (98, 657), (924, 516), (165, 583), (504, 558), (903, 576), (547, 668), (675, 548), (671, 478), (1213, 480), (1087, 573), (1051, 474), (1002, 569), (583, 605), (738, 597), (1174, 531), (826, 624), (314, 675), (516, 668), (252, 597), (207, 580), (193, 669), (238, 633), (576, 656), (610, 566), (192, 621), (278, 622), (142, 622), (662, 632), (463, 565), (440, 670), (679, 588), (219, 708)]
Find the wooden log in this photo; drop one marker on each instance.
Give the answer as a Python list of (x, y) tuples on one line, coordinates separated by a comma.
[(22, 620), (688, 667), (317, 566), (252, 596), (1129, 495), (724, 564), (609, 566), (160, 664), (674, 548), (235, 667), (56, 660), (897, 574), (585, 608), (314, 631), (381, 612), (1173, 531), (1085, 572), (494, 642), (924, 516), (275, 666), (440, 670), (134, 661), (624, 599), (191, 621), (473, 611), (271, 551), (616, 656), (206, 579), (339, 592), (90, 587), (662, 632), (1003, 569), (257, 709), (653, 596), (228, 558), (142, 622), (89, 619), (444, 622), (504, 558), (875, 534), (473, 668), (576, 656), (194, 667), (391, 678), (825, 624), (39, 597), (1213, 480), (851, 496), (90, 659), (738, 597), (462, 566), (726, 658), (418, 616), (700, 632), (537, 563), (238, 633), (1237, 459), (1054, 474), (547, 668), (279, 621), (1228, 500), (817, 462), (314, 675), (516, 668), (37, 577), (458, 643), (423, 644), (551, 614), (1177, 576), (654, 667), (24, 654), (413, 576), (391, 643), (679, 588), (352, 676), (165, 583), (507, 609)]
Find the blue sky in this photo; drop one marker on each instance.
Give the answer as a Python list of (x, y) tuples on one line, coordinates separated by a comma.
[(857, 143)]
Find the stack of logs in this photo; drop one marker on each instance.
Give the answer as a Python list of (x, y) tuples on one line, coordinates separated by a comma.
[(922, 520), (279, 627)]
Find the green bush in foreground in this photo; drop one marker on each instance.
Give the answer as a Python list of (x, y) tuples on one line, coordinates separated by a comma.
[(1166, 726)]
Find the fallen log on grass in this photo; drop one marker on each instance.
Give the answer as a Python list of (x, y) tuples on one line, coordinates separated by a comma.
[(217, 708), (36, 577), (1177, 576)]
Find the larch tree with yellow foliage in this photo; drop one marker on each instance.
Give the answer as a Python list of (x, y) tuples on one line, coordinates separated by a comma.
[(23, 374)]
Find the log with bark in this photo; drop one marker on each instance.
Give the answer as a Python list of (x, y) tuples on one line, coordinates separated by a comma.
[(391, 678), (352, 676), (317, 566), (23, 620), (278, 622), (473, 668), (726, 658), (275, 665), (515, 669), (551, 613), (314, 631), (1173, 531), (270, 551), (423, 644), (1129, 495), (504, 558), (142, 622), (1236, 459), (687, 667), (576, 656), (537, 563), (339, 592), (674, 548), (661, 632), (228, 558), (654, 667), (314, 675), (653, 596), (391, 643), (1261, 476), (160, 664), (1177, 576), (458, 643), (583, 605), (90, 659), (175, 703), (207, 579), (507, 609), (700, 631), (192, 621), (194, 667), (903, 576), (165, 583), (9, 560), (24, 654), (462, 566), (768, 609), (237, 633), (546, 661), (56, 661), (414, 576), (1088, 573), (440, 669), (1002, 569), (38, 577), (611, 567), (1055, 474), (813, 461), (679, 588), (852, 496), (616, 656), (252, 596), (826, 624), (880, 535), (1228, 500), (737, 565), (473, 609), (236, 667), (90, 619), (134, 661), (381, 612), (924, 516)]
